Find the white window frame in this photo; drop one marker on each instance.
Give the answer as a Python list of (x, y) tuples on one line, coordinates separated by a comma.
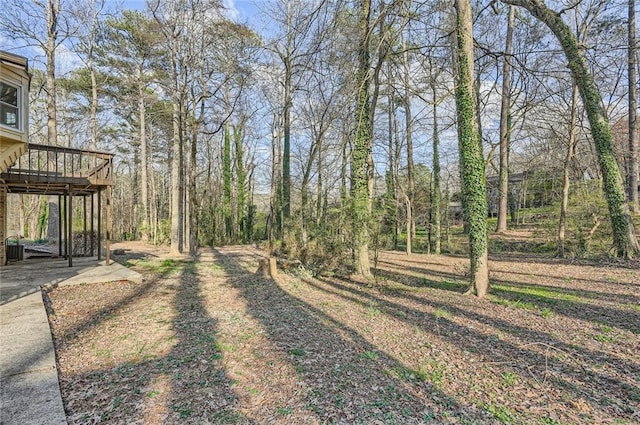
[(20, 127)]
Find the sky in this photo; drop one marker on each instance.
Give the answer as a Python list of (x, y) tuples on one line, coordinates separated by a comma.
[(241, 11), (247, 9), (244, 11)]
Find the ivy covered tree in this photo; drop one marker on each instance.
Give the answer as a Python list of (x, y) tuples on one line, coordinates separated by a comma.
[(474, 192), (624, 238), (362, 145)]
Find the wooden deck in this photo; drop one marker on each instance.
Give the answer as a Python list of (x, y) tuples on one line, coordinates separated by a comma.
[(68, 173), (55, 170)]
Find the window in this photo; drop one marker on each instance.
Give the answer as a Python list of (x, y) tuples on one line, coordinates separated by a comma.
[(10, 105)]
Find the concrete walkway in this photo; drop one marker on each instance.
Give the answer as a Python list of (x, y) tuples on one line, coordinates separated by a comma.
[(29, 387)]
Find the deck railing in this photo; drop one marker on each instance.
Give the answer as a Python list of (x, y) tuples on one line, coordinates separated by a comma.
[(58, 164)]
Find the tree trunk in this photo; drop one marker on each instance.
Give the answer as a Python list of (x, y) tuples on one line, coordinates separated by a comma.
[(343, 183), (278, 205), (392, 203), (372, 104), (361, 150), (624, 238), (226, 183), (93, 111), (478, 109), (634, 168), (565, 177), (411, 226), (471, 157), (402, 191), (132, 218), (304, 187), (273, 225), (193, 198), (176, 168), (304, 204), (435, 196), (185, 209), (447, 217), (407, 204), (286, 148), (503, 206), (240, 180), (144, 189), (320, 197), (53, 8), (153, 213)]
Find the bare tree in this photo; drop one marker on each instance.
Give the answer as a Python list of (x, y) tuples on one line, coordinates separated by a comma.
[(505, 124), (406, 98), (633, 167), (571, 149), (45, 25), (295, 49)]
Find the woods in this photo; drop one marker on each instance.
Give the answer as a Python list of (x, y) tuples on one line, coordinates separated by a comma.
[(341, 128), (320, 211)]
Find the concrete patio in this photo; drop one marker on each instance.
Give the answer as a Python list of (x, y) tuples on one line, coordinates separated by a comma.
[(30, 391), (27, 277)]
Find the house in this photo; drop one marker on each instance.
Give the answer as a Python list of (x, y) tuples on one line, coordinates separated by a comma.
[(28, 168), (620, 131), (14, 125), (14, 101)]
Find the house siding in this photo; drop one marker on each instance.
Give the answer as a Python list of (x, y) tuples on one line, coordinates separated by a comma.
[(3, 224)]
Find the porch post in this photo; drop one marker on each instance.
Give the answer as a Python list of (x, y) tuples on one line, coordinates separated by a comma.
[(92, 220), (99, 224), (107, 241), (70, 225), (60, 218), (65, 198), (84, 225)]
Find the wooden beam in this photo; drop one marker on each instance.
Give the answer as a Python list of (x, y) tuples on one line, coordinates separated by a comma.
[(108, 224)]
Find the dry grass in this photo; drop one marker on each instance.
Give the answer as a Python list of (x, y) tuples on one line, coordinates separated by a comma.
[(211, 342)]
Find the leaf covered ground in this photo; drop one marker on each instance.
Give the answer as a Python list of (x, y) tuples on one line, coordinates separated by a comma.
[(210, 341)]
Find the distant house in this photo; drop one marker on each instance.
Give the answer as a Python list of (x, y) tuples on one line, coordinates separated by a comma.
[(456, 213), (620, 130), (493, 189), (530, 188)]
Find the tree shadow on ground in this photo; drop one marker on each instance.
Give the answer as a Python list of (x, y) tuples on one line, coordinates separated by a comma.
[(525, 257), (422, 276), (562, 301), (130, 257), (554, 366), (186, 385), (614, 284), (347, 379), (434, 261)]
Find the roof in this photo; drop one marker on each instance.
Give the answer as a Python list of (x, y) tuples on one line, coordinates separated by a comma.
[(15, 60)]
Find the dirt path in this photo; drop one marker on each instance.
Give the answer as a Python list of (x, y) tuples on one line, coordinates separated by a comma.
[(211, 342)]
